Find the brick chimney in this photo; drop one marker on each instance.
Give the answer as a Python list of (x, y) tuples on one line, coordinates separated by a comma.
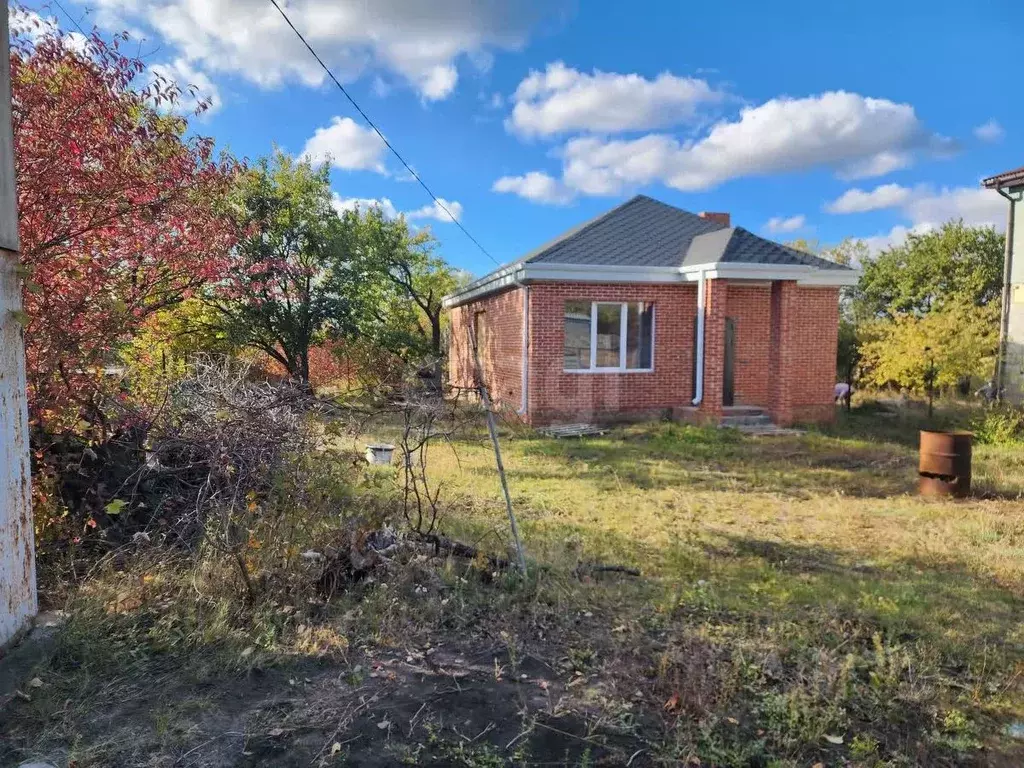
[(718, 218)]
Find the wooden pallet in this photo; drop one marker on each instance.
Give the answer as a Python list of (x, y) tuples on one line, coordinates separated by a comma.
[(573, 430)]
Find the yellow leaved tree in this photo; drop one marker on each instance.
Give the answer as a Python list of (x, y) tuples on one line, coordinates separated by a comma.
[(960, 339)]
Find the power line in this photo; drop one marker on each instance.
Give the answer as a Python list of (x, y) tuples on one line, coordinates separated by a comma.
[(70, 18), (387, 143)]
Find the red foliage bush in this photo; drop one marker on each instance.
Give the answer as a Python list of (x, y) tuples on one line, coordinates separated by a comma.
[(120, 212)]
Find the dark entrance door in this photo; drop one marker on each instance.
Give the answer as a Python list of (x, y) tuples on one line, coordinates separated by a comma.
[(728, 374)]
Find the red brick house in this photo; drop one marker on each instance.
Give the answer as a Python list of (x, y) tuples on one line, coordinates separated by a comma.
[(650, 310)]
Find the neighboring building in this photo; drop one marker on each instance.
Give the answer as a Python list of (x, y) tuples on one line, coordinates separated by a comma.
[(650, 310), (1010, 368)]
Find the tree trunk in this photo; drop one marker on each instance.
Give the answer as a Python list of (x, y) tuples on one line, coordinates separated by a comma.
[(303, 372), (436, 364)]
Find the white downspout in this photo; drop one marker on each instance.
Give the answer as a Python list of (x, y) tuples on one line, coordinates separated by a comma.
[(526, 349), (698, 395)]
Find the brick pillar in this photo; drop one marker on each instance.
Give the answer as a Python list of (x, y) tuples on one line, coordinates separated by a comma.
[(782, 368), (716, 295)]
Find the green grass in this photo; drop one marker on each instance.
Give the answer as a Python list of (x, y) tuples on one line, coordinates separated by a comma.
[(799, 604), (833, 599)]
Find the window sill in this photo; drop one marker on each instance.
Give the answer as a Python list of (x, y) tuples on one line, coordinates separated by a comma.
[(608, 370)]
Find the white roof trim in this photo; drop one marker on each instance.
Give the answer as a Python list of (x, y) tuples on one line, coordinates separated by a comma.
[(523, 272)]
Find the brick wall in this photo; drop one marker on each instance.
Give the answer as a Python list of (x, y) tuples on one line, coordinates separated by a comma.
[(786, 338), (750, 307), (805, 329), (556, 395), (501, 346)]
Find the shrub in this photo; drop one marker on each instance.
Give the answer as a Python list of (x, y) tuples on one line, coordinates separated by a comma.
[(1003, 425)]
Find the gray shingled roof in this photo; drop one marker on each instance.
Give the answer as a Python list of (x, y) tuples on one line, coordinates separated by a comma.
[(740, 246), (645, 232)]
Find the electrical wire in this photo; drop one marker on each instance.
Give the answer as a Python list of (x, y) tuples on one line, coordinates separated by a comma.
[(387, 143), (70, 18)]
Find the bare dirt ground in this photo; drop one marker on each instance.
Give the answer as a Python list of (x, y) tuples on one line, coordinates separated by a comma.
[(442, 706)]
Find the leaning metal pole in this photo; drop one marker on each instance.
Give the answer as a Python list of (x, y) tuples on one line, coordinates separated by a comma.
[(492, 429)]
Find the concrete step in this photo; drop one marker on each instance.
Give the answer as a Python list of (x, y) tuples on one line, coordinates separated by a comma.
[(751, 420), (745, 418)]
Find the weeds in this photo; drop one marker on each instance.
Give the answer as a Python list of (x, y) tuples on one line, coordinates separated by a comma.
[(797, 606)]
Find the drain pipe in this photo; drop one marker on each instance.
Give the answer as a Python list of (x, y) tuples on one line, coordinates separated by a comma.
[(1004, 309), (698, 395), (526, 348)]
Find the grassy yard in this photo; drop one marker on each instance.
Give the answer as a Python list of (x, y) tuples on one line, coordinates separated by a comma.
[(798, 606), (828, 600)]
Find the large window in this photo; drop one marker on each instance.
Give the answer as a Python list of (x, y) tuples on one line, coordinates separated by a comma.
[(609, 336)]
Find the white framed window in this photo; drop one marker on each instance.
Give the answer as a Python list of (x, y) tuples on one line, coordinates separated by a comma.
[(605, 336)]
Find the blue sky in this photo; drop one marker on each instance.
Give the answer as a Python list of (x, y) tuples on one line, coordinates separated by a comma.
[(820, 120)]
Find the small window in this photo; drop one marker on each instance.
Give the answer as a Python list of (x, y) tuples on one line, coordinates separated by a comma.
[(606, 336)]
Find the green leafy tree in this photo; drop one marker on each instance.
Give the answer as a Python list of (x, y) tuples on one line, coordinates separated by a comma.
[(848, 350), (850, 252), (290, 285), (960, 338), (406, 282), (953, 264)]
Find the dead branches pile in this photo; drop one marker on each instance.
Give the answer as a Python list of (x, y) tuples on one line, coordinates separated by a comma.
[(210, 453)]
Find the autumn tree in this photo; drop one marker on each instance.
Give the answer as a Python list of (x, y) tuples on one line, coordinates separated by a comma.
[(960, 338), (289, 284), (120, 211), (933, 297)]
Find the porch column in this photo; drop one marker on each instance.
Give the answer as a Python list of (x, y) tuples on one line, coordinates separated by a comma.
[(781, 368), (715, 297)]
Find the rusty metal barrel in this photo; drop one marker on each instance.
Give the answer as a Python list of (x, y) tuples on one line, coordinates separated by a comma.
[(945, 465)]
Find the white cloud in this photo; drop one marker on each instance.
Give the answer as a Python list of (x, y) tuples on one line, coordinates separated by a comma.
[(846, 132), (976, 206), (536, 186), (343, 204), (435, 211), (432, 211), (29, 24), (778, 224), (990, 131), (877, 165), (249, 38), (927, 210), (195, 86), (437, 82), (894, 237), (859, 201), (34, 27), (347, 145), (924, 206), (561, 99)]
